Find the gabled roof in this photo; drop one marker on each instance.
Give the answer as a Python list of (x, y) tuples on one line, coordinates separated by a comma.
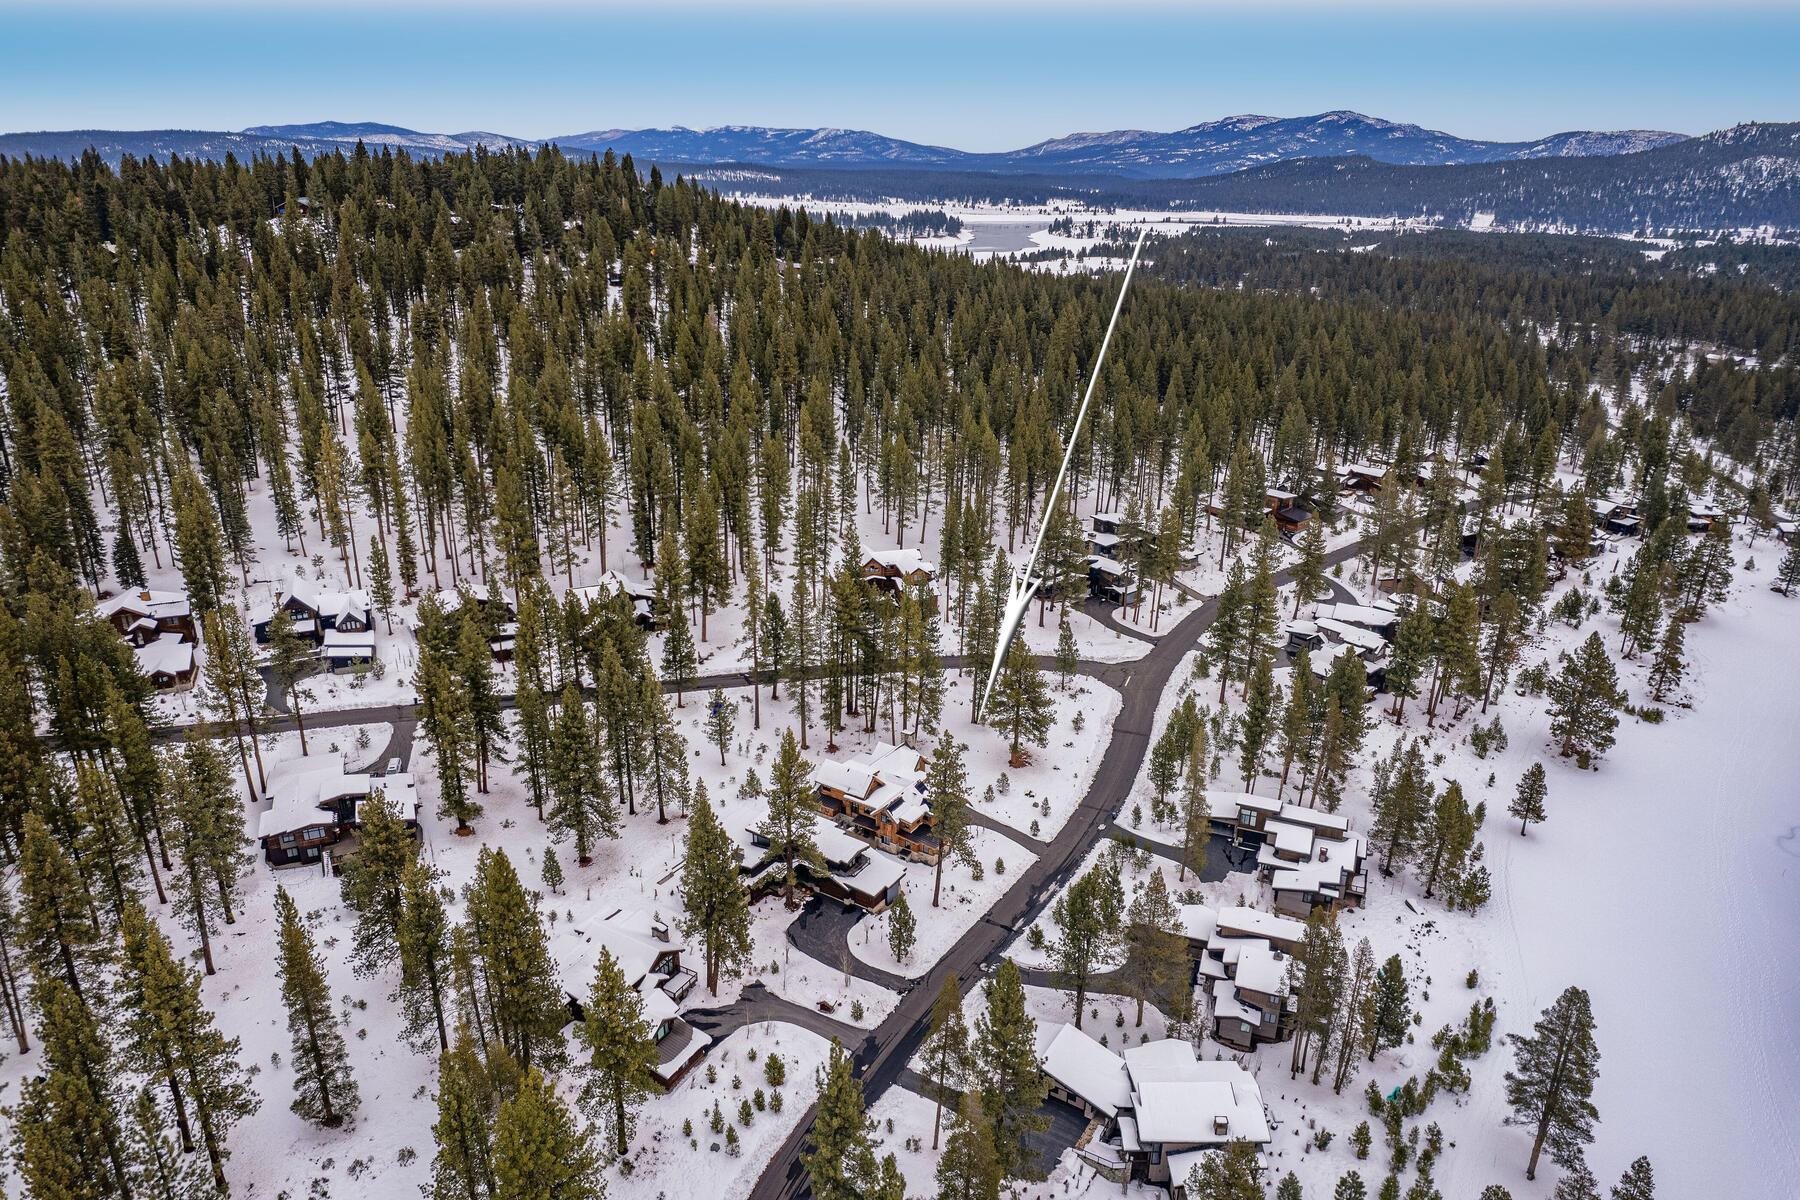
[(1086, 1068), (167, 655), (145, 602), (902, 562)]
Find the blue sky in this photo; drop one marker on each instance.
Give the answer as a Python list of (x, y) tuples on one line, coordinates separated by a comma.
[(981, 75)]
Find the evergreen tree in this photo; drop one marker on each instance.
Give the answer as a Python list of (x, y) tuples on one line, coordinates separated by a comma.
[(80, 1095), (1087, 917), (792, 809), (381, 583), (1068, 654), (1011, 1082), (1021, 707), (525, 1004), (713, 903), (1528, 802), (291, 661), (1669, 669), (621, 1062), (664, 749), (463, 1168), (324, 1091), (902, 929), (679, 660), (1577, 1183), (1256, 724), (969, 1168), (946, 1050), (541, 1152), (372, 881), (1391, 1008), (157, 1166), (1551, 1085), (1584, 701), (721, 720), (1309, 571), (1349, 1187), (422, 936), (582, 807), (1156, 962), (1787, 575), (170, 1035), (1234, 1173), (1637, 1183), (58, 929), (839, 1156), (947, 788)]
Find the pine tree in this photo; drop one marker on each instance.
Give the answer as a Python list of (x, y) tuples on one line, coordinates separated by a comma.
[(969, 1168), (1156, 962), (839, 1157), (381, 582), (1391, 1008), (1669, 668), (525, 1005), (199, 540), (1637, 1183), (1011, 1082), (621, 1061), (1528, 802), (157, 1167), (1021, 707), (58, 931), (713, 903), (1355, 1014), (552, 872), (463, 1168), (1787, 575), (1317, 978), (81, 1095), (372, 883), (1552, 1081), (1447, 837), (170, 1035), (665, 750), (582, 806), (1411, 660), (324, 1091), (235, 694), (1234, 1173), (1087, 917), (1577, 1183), (947, 789), (721, 720), (541, 1152), (1256, 724), (946, 1050), (1402, 803), (1584, 701), (902, 929), (1309, 571), (1349, 1187), (291, 660), (679, 659), (792, 810), (423, 939)]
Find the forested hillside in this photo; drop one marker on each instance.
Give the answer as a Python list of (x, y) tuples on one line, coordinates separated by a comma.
[(413, 375)]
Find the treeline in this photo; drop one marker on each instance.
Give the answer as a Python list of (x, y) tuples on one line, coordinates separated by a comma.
[(915, 222)]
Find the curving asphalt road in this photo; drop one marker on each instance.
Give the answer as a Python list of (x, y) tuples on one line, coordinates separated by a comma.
[(881, 1057)]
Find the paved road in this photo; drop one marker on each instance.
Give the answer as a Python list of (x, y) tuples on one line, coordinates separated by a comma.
[(881, 1059)]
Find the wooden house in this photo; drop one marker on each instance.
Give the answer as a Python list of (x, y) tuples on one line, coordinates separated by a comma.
[(639, 594), (144, 615), (315, 809), (316, 611), (881, 800), (167, 662), (1111, 581), (893, 571), (650, 959)]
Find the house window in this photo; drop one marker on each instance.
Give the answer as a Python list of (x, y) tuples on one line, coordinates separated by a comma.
[(312, 833), (1246, 816)]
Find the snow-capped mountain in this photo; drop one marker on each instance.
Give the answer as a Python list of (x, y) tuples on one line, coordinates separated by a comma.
[(1212, 148), (761, 144)]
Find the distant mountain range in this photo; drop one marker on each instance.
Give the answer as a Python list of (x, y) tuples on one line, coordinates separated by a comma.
[(1213, 148)]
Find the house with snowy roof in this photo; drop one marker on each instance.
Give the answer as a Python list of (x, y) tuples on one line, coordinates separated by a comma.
[(1111, 580), (881, 799), (315, 808), (649, 957), (316, 611), (1241, 958), (847, 869), (495, 610), (1159, 1106), (893, 571), (637, 593), (1311, 859), (159, 628)]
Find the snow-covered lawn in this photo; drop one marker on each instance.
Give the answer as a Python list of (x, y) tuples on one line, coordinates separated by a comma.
[(965, 901), (667, 1164), (1057, 773)]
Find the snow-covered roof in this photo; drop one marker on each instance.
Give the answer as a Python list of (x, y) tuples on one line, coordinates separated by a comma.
[(167, 655), (1366, 615), (146, 602), (1085, 1067), (297, 790), (1244, 920), (1163, 1059), (1218, 1102), (1262, 968), (1221, 802), (901, 562), (1198, 921), (1354, 636), (887, 779), (1104, 541), (612, 583), (327, 602), (631, 935), (1109, 518), (339, 642)]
